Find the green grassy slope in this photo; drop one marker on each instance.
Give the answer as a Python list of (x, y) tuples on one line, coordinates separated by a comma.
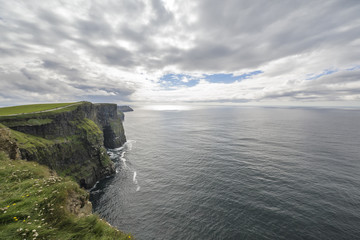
[(37, 204), (30, 108)]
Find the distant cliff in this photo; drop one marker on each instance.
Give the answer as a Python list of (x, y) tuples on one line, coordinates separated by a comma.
[(71, 140), (125, 108)]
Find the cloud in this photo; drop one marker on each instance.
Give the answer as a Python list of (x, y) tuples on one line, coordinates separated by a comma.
[(124, 51)]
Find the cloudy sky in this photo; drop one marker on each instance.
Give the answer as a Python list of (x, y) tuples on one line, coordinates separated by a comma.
[(255, 52)]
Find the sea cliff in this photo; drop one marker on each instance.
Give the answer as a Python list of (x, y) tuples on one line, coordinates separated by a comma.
[(71, 140), (125, 108)]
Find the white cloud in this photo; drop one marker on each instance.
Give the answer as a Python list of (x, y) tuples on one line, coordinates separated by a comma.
[(119, 50)]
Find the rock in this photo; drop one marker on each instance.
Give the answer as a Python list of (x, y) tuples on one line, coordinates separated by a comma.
[(7, 144), (72, 142), (125, 108), (78, 204)]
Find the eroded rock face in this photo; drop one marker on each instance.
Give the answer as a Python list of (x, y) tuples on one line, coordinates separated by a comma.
[(105, 115), (125, 108), (110, 120), (8, 144), (71, 142), (78, 204)]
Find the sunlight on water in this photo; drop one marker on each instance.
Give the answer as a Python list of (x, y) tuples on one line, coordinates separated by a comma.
[(168, 107)]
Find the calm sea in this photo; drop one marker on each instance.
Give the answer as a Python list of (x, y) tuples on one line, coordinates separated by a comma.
[(236, 173)]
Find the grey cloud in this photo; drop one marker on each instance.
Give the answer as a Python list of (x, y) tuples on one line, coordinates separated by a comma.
[(115, 55), (162, 16), (80, 81), (339, 77), (261, 31), (26, 74), (50, 17), (62, 69), (226, 36), (328, 87), (94, 29), (128, 33), (51, 64), (240, 16), (26, 82), (229, 35), (121, 91)]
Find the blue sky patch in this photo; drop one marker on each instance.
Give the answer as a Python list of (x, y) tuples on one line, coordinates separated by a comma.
[(354, 68), (229, 78), (325, 72), (173, 80)]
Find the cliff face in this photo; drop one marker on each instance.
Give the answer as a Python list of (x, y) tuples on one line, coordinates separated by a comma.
[(71, 141), (57, 207), (125, 108)]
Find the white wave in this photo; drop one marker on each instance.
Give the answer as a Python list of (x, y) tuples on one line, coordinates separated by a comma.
[(119, 148), (134, 178), (113, 156), (136, 182), (129, 144), (94, 186), (123, 160), (120, 155), (126, 146), (97, 191)]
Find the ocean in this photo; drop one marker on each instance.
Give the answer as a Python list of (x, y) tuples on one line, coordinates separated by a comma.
[(235, 173)]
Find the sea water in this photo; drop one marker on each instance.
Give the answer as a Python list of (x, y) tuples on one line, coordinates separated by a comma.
[(236, 173)]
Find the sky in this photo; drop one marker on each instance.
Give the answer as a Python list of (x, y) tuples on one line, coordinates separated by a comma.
[(242, 52)]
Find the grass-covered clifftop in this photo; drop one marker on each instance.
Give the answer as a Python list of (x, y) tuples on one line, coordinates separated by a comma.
[(24, 109), (69, 138), (47, 152), (35, 203)]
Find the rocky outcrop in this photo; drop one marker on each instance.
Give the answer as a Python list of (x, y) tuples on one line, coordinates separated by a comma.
[(78, 204), (8, 144), (110, 120), (125, 108), (71, 141)]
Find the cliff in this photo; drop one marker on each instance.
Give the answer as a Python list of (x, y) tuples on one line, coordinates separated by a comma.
[(70, 140), (35, 203), (125, 108)]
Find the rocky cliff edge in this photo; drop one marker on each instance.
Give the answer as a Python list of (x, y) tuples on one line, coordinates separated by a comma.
[(70, 140)]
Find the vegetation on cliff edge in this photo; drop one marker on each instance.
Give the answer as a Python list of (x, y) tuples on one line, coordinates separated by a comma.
[(37, 204), (23, 109)]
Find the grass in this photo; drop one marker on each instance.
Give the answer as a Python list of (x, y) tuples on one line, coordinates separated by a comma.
[(35, 204), (24, 117), (51, 152), (88, 127), (25, 122), (31, 142), (23, 109)]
